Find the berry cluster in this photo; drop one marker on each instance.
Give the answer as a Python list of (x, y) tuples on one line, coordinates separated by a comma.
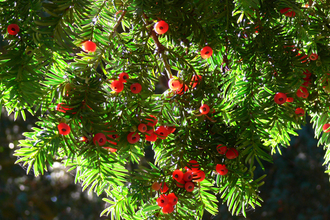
[(118, 85)]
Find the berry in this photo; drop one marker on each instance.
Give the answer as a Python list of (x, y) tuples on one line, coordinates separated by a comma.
[(189, 186), (168, 209), (12, 29), (280, 98), (326, 128), (83, 139), (172, 199), (193, 165), (155, 186), (181, 183), (162, 200), (206, 52), (89, 46), (188, 176), (195, 80), (142, 127), (64, 129), (117, 86), (307, 74), (300, 112), (170, 130), (133, 137), (112, 150), (152, 136), (232, 153), (61, 108), (289, 99), (136, 88), (221, 169), (174, 84), (199, 176), (204, 109), (162, 132), (302, 92), (153, 120), (100, 139), (161, 27), (184, 88), (221, 149), (123, 77), (313, 56), (288, 12), (163, 188), (177, 175)]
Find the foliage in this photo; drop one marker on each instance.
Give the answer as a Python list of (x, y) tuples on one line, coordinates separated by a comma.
[(43, 66)]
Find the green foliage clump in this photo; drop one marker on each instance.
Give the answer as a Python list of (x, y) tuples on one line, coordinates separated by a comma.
[(258, 51)]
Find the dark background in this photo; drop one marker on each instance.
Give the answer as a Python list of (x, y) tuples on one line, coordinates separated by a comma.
[(296, 186)]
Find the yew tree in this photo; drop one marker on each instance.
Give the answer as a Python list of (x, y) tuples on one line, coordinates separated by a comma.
[(214, 87)]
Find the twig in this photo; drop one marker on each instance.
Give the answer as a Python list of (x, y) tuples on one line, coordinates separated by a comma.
[(160, 47)]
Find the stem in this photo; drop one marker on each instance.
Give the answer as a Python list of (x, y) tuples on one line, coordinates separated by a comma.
[(160, 48)]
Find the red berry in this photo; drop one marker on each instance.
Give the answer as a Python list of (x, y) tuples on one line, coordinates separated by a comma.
[(100, 139), (307, 73), (300, 112), (195, 80), (161, 27), (193, 165), (152, 136), (232, 153), (62, 108), (280, 98), (313, 56), (206, 52), (170, 130), (199, 176), (288, 12), (133, 137), (188, 176), (89, 46), (117, 86), (155, 186), (123, 77), (189, 186), (13, 29), (184, 88), (162, 132), (181, 183), (163, 188), (177, 175), (64, 129), (174, 84), (112, 150), (136, 88), (168, 209), (221, 149), (153, 120), (162, 200), (326, 128), (83, 139), (142, 127), (221, 169), (302, 92), (113, 136), (172, 199), (289, 99), (204, 109)]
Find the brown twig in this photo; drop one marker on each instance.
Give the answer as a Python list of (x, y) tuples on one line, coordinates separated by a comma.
[(160, 47)]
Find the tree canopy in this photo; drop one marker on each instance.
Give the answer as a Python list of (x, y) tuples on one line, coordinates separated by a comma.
[(211, 88)]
